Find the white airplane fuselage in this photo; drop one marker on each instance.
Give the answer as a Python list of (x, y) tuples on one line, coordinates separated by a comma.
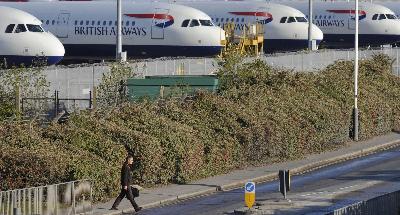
[(278, 36), (23, 41), (148, 29), (337, 21)]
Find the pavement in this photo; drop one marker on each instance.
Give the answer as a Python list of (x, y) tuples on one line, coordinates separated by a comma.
[(153, 197)]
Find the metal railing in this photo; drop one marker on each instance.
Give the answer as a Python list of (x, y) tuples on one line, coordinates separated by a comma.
[(388, 204), (68, 198)]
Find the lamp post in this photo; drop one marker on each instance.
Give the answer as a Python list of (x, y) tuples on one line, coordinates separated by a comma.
[(356, 75), (118, 56), (310, 19)]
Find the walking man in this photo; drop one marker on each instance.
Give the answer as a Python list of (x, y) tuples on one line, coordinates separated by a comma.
[(126, 180)]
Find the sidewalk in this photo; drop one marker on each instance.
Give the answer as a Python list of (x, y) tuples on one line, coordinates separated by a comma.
[(161, 195)]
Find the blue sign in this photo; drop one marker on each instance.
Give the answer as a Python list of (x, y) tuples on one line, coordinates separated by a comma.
[(250, 187)]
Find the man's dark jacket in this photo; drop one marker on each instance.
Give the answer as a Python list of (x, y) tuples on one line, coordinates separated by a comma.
[(126, 177)]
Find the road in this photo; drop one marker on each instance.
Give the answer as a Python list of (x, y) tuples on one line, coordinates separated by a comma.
[(315, 192)]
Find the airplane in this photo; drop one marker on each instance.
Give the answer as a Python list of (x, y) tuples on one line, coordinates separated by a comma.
[(288, 35), (23, 40), (88, 29), (378, 25), (278, 36), (394, 6)]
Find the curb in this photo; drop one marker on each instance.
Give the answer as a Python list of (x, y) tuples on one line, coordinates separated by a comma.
[(271, 176)]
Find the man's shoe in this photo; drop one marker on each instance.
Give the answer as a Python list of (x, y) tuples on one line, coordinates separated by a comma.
[(114, 208), (138, 209)]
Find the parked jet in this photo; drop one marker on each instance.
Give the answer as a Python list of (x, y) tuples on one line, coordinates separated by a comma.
[(23, 40), (378, 25), (149, 29), (392, 5), (290, 35)]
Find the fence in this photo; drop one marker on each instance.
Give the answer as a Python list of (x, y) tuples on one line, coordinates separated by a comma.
[(78, 81), (388, 204), (51, 107), (69, 198)]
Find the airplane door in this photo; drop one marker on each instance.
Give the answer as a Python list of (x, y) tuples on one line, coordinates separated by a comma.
[(62, 25), (158, 23)]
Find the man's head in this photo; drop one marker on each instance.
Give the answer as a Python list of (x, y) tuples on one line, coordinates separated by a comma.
[(129, 160)]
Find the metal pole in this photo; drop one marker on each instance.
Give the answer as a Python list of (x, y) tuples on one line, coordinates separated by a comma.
[(73, 197), (356, 75), (29, 201), (119, 31), (310, 19), (1, 202)]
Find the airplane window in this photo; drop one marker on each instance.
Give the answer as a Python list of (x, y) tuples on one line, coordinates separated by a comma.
[(87, 22), (242, 19), (217, 19), (206, 22), (194, 23), (301, 19), (76, 22), (34, 28), (185, 22), (10, 28), (227, 20), (53, 22), (104, 22), (391, 16), (291, 19), (316, 17), (375, 16), (20, 28), (133, 23), (382, 16), (127, 23), (110, 23), (81, 22), (93, 22), (47, 22), (233, 19), (116, 23), (283, 19), (237, 19), (98, 22)]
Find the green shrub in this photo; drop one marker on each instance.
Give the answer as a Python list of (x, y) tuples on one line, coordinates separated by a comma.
[(261, 115)]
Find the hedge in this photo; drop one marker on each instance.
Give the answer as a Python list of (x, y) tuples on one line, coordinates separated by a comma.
[(260, 116)]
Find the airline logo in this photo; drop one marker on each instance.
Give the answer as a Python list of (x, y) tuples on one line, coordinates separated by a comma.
[(161, 20), (362, 14), (267, 17)]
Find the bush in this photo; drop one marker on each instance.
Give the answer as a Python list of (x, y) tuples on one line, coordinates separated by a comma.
[(261, 115)]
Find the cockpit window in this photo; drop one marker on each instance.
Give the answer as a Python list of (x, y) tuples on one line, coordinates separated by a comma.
[(375, 16), (301, 19), (382, 16), (194, 23), (291, 19), (283, 20), (10, 28), (34, 28), (20, 28), (185, 22), (391, 16), (206, 22)]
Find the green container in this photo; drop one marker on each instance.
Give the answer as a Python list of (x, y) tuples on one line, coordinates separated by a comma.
[(154, 87)]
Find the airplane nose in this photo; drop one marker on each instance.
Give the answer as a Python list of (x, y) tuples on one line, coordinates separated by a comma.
[(56, 51), (317, 34)]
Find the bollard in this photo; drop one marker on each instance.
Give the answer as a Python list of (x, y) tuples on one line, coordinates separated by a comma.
[(17, 211), (284, 182)]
